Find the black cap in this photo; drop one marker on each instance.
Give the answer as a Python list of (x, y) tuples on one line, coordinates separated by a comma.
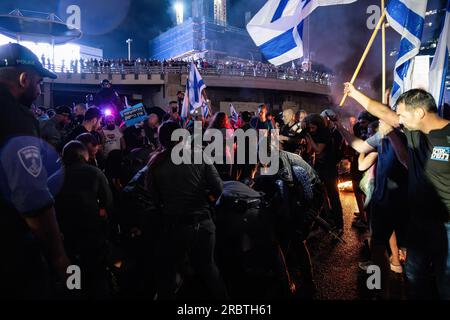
[(63, 110), (13, 55)]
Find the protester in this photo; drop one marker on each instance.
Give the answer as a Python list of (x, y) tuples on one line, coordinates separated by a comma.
[(79, 111), (91, 144), (262, 122), (289, 133), (53, 130), (113, 136), (387, 212), (221, 122), (151, 130), (428, 187), (91, 123), (321, 146)]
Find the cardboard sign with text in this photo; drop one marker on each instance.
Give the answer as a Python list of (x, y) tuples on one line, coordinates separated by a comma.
[(134, 114)]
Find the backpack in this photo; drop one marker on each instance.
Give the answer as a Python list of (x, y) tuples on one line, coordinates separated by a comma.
[(247, 254)]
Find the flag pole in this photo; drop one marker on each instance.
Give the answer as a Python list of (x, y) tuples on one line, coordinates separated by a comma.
[(383, 58), (366, 52)]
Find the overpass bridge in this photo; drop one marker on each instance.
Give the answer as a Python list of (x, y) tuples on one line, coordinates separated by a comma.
[(157, 85)]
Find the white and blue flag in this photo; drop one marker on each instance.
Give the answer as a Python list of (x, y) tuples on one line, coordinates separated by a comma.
[(407, 17), (205, 111), (193, 98), (439, 67), (233, 114), (277, 29)]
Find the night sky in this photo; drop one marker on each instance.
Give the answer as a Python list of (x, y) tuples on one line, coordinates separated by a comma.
[(337, 34)]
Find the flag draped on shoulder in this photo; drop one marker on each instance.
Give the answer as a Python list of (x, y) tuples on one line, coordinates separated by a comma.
[(439, 67), (277, 29), (407, 17), (193, 97)]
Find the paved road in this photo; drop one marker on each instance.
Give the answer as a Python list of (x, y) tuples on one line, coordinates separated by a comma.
[(336, 271)]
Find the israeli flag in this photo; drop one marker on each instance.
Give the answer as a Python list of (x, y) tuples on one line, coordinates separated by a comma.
[(277, 29), (205, 110), (193, 98), (439, 67), (233, 114), (407, 17)]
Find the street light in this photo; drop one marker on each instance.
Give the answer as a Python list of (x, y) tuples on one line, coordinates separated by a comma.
[(129, 41)]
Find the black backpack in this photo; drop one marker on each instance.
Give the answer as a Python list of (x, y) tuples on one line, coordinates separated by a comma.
[(247, 254)]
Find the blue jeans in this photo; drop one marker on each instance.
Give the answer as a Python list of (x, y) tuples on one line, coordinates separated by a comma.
[(428, 265)]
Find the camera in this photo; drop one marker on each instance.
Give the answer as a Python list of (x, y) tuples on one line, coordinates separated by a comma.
[(174, 109)]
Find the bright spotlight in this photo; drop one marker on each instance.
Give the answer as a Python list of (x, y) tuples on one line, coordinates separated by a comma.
[(179, 10)]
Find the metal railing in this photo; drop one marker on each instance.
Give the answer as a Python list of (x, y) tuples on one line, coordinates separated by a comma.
[(246, 72)]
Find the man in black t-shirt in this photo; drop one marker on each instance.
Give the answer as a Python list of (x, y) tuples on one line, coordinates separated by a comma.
[(428, 138), (262, 122), (92, 121)]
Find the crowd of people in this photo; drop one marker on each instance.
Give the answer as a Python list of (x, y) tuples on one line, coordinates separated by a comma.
[(139, 225), (216, 66)]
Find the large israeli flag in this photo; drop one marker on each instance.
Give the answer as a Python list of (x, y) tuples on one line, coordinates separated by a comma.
[(439, 67), (277, 29), (407, 17), (193, 98)]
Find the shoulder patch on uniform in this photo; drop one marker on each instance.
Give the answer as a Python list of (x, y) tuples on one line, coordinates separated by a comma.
[(30, 158)]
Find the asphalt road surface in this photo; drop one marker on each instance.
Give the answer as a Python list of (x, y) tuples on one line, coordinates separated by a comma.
[(335, 264)]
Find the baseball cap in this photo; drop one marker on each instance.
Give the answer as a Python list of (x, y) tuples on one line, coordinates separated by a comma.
[(14, 54), (66, 111)]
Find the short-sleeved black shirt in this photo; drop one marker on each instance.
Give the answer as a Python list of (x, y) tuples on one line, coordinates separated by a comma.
[(429, 174)]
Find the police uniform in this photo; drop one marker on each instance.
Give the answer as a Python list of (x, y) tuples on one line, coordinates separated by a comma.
[(23, 187)]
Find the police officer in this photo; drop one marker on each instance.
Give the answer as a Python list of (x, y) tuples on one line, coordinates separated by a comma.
[(188, 230), (27, 216)]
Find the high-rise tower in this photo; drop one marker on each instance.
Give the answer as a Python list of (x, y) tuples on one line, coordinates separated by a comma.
[(215, 10)]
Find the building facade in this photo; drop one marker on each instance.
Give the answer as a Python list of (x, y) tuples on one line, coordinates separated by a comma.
[(201, 37)]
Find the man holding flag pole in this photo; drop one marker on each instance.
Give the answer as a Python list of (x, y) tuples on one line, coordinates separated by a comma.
[(428, 256)]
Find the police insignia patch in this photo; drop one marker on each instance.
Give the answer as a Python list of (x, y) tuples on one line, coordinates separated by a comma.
[(30, 158)]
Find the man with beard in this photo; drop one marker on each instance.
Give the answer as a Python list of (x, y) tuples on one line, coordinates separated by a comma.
[(27, 216), (113, 137)]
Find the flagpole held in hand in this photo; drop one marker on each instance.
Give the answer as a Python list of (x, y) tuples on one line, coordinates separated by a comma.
[(366, 52)]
